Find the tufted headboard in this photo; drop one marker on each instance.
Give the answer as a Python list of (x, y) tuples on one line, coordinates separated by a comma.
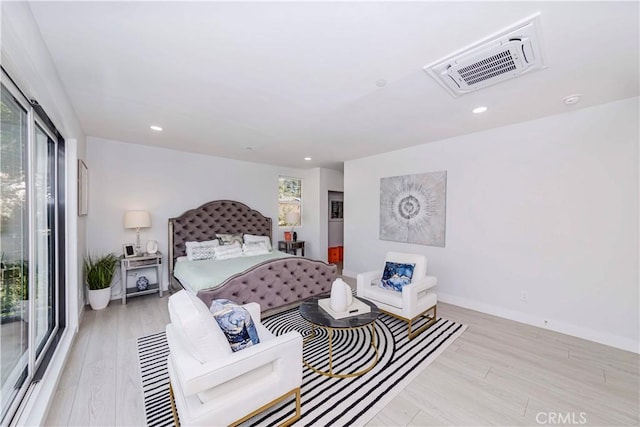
[(204, 222)]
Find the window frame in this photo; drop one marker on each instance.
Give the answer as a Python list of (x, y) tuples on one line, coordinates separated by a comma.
[(290, 201)]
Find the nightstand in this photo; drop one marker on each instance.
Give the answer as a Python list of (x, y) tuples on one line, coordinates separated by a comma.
[(134, 263), (291, 247)]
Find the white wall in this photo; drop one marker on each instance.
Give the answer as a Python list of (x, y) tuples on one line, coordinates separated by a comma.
[(27, 60), (549, 207), (125, 176)]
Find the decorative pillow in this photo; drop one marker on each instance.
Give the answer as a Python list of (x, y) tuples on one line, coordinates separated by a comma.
[(201, 250), (233, 250), (196, 327), (250, 238), (236, 323), (396, 276), (255, 248), (227, 239)]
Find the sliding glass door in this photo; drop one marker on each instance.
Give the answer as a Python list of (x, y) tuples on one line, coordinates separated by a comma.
[(30, 283), (44, 185), (14, 247)]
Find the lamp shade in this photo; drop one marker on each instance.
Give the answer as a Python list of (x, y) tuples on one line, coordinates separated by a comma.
[(292, 218), (137, 219)]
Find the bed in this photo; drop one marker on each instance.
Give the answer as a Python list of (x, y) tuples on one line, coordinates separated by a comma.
[(274, 283)]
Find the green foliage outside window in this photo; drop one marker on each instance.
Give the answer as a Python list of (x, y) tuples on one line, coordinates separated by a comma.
[(289, 199), (14, 287)]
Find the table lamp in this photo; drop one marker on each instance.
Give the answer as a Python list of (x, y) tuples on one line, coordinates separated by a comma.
[(137, 220)]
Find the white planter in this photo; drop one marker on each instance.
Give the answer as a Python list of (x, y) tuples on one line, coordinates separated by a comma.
[(99, 298)]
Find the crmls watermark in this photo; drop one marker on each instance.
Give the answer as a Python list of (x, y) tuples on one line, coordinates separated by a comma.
[(561, 418)]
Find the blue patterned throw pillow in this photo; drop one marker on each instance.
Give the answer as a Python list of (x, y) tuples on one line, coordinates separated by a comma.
[(396, 276), (236, 323)]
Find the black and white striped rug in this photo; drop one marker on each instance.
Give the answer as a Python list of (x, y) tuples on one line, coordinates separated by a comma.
[(325, 401)]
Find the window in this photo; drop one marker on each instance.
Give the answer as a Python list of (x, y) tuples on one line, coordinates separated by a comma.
[(31, 243), (289, 201)]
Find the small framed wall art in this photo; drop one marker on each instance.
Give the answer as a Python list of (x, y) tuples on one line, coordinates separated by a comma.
[(129, 250)]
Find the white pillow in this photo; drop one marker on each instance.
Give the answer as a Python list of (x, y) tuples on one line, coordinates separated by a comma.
[(201, 250), (228, 239), (195, 324), (255, 248), (252, 246), (229, 251), (249, 238), (233, 247)]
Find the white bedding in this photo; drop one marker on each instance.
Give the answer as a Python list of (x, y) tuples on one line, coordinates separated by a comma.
[(209, 273)]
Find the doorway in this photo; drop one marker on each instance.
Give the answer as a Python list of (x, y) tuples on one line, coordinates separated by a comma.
[(336, 229)]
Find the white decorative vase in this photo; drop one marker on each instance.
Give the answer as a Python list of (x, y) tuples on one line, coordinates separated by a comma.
[(347, 290), (99, 298), (338, 296)]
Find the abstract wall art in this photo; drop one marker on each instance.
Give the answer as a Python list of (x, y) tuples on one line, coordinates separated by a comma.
[(413, 207)]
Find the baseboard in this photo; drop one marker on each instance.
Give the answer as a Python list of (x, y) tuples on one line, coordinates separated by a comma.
[(622, 343), (80, 317)]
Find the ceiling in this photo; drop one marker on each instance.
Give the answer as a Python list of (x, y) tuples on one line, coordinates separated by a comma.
[(274, 82)]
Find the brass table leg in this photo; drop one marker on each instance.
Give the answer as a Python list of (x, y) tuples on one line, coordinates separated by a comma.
[(330, 372)]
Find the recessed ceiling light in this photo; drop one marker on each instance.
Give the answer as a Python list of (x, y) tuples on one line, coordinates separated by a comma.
[(156, 128), (479, 110), (381, 82), (572, 99), (307, 158)]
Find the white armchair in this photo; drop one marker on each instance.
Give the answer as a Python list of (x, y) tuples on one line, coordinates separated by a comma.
[(416, 299), (211, 385)]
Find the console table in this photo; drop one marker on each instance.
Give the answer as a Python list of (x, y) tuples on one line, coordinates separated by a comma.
[(291, 247), (138, 262)]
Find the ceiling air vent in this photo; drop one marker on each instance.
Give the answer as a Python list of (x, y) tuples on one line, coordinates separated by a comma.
[(510, 53)]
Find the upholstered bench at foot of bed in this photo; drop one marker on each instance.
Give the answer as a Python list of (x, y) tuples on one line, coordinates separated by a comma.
[(275, 284)]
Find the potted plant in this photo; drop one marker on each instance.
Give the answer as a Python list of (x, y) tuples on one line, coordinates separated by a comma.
[(98, 273)]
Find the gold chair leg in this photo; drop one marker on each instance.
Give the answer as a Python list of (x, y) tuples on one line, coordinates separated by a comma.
[(296, 417), (174, 410), (413, 334), (291, 420)]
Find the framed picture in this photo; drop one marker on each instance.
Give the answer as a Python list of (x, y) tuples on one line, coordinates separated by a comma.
[(129, 250), (336, 210), (413, 208), (83, 188)]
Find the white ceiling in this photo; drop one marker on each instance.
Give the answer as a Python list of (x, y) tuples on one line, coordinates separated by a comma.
[(298, 79)]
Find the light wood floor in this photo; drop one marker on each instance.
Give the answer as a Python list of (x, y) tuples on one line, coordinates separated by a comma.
[(498, 372), (100, 384)]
